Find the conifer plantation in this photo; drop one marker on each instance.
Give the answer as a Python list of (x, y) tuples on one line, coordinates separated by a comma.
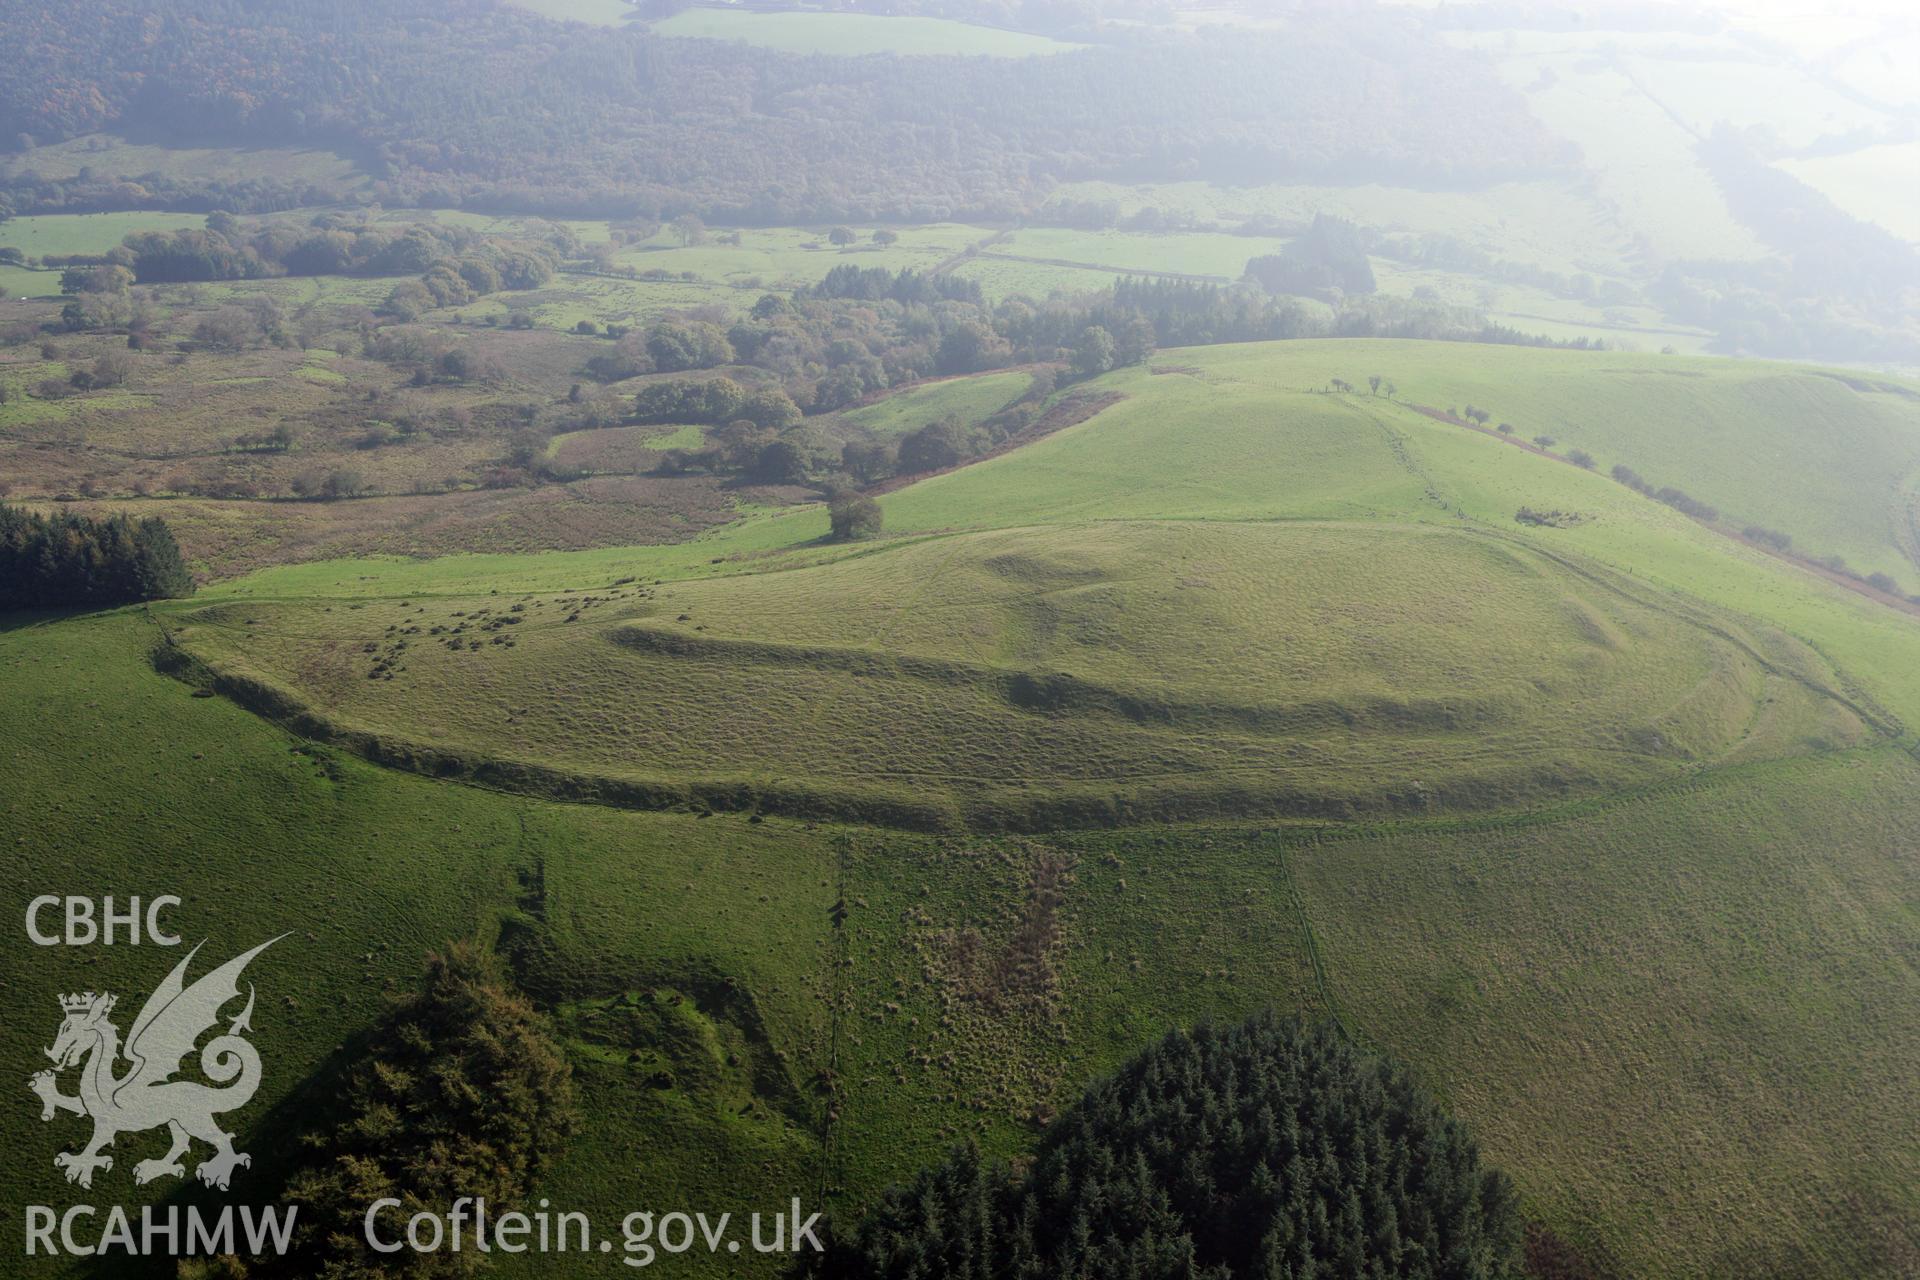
[(66, 560), (1271, 1149)]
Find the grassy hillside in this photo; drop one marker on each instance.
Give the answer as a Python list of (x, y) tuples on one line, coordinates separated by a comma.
[(1032, 678), (1823, 456), (1644, 973), (1603, 825), (970, 399), (1638, 958)]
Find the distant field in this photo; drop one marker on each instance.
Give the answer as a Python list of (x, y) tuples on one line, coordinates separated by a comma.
[(787, 257), (1796, 108), (107, 154), (570, 298), (620, 450), (1880, 184), (1007, 277), (18, 282), (67, 233), (1188, 253), (1544, 223), (765, 259), (852, 34), (605, 13), (1643, 158)]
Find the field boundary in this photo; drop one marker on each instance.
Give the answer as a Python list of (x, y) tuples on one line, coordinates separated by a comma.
[(946, 265), (1897, 603), (1188, 277)]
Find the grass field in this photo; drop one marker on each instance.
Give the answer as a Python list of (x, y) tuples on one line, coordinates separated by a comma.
[(1545, 223), (970, 399), (1606, 829), (19, 282), (68, 233), (791, 257), (993, 708), (853, 34), (108, 154), (602, 13), (1880, 184), (1008, 277), (1191, 253), (1733, 927)]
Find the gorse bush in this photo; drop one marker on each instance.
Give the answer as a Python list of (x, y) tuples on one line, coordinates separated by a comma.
[(1269, 1149), (63, 560)]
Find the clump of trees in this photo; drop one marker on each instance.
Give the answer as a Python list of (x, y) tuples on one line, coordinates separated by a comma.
[(1267, 1149), (855, 518), (875, 284), (463, 1090), (431, 355), (709, 401), (454, 264), (1330, 260), (66, 560)]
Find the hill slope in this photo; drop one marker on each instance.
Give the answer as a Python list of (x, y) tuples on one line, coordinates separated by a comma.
[(1659, 864)]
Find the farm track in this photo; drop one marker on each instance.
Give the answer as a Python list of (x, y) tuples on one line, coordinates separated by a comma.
[(1315, 959), (972, 251)]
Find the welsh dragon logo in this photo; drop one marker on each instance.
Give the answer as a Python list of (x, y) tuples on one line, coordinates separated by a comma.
[(145, 1096)]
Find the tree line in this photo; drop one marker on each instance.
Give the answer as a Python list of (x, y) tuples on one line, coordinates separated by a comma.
[(453, 263)]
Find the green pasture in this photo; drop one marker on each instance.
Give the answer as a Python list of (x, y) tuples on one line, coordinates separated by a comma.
[(852, 34)]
